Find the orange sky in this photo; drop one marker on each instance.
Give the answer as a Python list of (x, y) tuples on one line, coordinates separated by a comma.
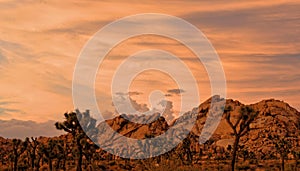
[(258, 43)]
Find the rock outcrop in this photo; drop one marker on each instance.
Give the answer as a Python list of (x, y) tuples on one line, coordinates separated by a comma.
[(275, 118)]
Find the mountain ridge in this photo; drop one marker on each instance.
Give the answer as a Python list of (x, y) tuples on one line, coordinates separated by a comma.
[(275, 117)]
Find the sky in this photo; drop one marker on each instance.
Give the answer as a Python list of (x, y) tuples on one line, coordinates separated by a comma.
[(258, 44)]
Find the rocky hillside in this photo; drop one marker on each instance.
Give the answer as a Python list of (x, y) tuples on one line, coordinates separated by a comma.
[(274, 118)]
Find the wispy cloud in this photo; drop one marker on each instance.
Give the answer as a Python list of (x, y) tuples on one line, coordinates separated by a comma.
[(5, 110), (257, 41), (176, 91)]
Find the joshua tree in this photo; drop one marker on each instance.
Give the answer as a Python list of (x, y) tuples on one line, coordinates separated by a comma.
[(72, 126), (78, 124), (61, 155), (283, 146), (39, 157), (19, 148), (240, 127), (65, 148), (32, 151), (50, 151)]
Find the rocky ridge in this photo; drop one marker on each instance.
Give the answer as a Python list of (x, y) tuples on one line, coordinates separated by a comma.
[(275, 118)]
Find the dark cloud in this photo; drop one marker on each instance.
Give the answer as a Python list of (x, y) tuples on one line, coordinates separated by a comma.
[(176, 91), (252, 17), (121, 94), (272, 93), (279, 58), (21, 129), (273, 24), (276, 70), (133, 93)]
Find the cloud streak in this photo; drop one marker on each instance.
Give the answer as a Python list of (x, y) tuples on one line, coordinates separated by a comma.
[(257, 41), (176, 91)]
